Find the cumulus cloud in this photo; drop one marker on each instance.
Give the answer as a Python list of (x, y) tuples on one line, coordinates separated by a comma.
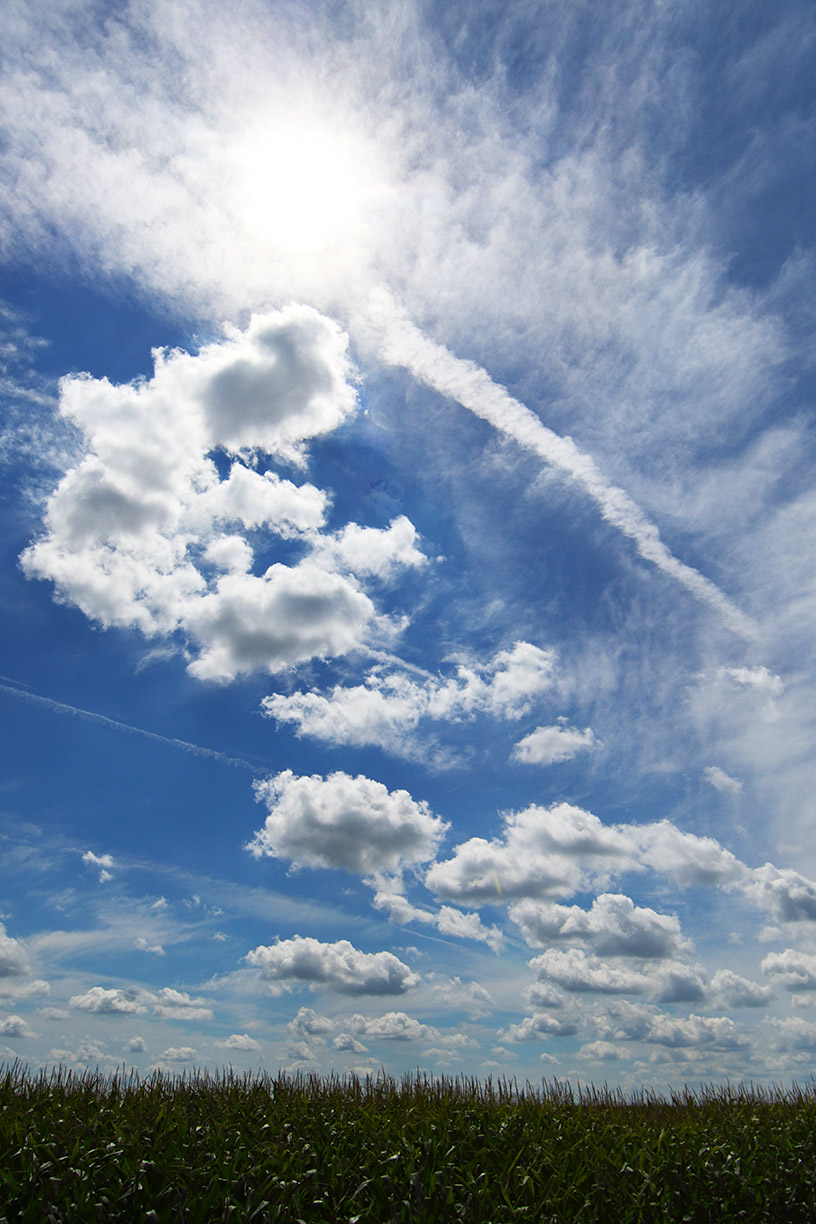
[(539, 1027), (13, 958), (336, 966), (344, 822), (172, 1004), (240, 1041), (15, 1026), (393, 1026), (644, 1022), (574, 971), (346, 1044), (145, 533), (728, 989), (179, 1054), (794, 1033), (793, 970), (786, 894), (549, 745), (309, 1023), (389, 706), (136, 1045), (111, 1002), (544, 852), (613, 926)]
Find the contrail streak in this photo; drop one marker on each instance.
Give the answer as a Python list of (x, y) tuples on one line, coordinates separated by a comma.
[(61, 708), (401, 343)]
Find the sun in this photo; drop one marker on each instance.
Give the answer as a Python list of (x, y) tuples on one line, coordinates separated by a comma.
[(302, 184)]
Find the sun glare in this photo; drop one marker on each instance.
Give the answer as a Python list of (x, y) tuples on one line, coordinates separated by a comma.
[(302, 186)]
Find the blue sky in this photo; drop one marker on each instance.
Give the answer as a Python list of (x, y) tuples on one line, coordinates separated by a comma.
[(407, 604)]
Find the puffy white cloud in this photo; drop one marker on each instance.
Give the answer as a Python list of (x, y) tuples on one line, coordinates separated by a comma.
[(54, 1013), (389, 706), (613, 926), (644, 1022), (309, 1023), (291, 613), (240, 1041), (338, 966), (143, 946), (348, 1044), (721, 781), (113, 1001), (344, 822), (576, 972), (686, 858), (144, 533), (136, 1045), (792, 969), (373, 550), (794, 1033), (544, 852), (179, 1054), (470, 997), (172, 1004), (15, 1026), (600, 1051), (13, 958), (730, 990), (789, 896), (548, 745), (393, 1026), (539, 1027)]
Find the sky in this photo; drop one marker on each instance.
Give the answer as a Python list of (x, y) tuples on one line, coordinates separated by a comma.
[(407, 604)]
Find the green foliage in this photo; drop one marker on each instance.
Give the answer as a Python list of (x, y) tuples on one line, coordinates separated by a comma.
[(78, 1147)]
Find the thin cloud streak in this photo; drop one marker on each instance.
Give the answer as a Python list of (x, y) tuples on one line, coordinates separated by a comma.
[(401, 343), (196, 749)]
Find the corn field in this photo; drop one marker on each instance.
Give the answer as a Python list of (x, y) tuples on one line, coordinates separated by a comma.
[(85, 1146)]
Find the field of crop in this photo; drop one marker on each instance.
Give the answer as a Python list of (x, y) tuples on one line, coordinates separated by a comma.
[(87, 1147)]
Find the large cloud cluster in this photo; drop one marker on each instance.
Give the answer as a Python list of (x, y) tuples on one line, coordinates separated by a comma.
[(146, 532)]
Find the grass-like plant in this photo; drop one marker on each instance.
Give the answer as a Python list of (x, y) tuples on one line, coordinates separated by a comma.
[(85, 1146)]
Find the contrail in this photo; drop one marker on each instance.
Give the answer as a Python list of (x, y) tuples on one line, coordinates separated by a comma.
[(401, 343), (60, 706)]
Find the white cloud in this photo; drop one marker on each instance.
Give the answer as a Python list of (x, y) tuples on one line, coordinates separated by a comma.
[(539, 1027), (792, 969), (338, 966), (545, 852), (13, 958), (344, 822), (613, 926), (721, 781), (600, 1051), (348, 1044), (104, 862), (54, 1013), (728, 989), (389, 706), (789, 896), (15, 1026), (548, 745), (143, 533), (758, 678), (448, 921), (393, 1026), (179, 1054), (576, 972), (372, 550), (309, 1023), (172, 1004), (136, 1045), (794, 1033), (143, 946), (240, 1041), (644, 1022), (111, 1001)]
